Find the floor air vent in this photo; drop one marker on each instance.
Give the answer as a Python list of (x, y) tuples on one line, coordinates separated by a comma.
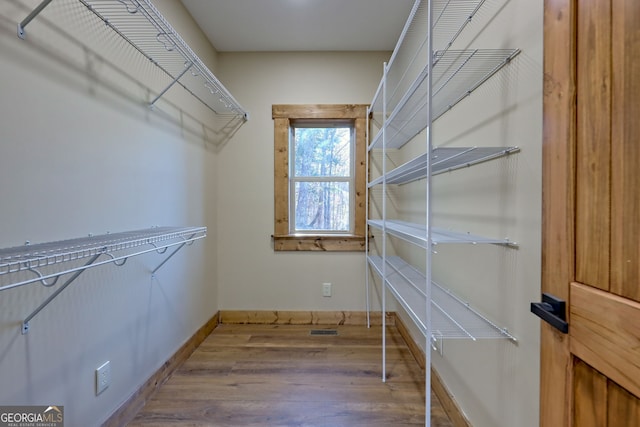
[(324, 332)]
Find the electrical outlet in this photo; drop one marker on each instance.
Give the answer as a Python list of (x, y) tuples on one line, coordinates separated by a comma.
[(326, 289), (103, 377)]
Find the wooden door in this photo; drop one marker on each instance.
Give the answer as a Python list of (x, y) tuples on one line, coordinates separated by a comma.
[(591, 212)]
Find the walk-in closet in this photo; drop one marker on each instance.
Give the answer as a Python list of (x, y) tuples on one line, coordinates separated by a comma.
[(275, 212)]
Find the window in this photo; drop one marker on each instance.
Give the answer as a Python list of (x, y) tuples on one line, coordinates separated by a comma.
[(319, 182)]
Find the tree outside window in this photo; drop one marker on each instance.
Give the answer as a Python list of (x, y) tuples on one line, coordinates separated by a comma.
[(321, 180)]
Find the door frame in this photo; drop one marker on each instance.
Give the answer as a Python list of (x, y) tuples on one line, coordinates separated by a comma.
[(558, 203)]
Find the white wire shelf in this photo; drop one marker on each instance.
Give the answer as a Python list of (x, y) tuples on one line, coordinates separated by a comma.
[(451, 317), (410, 54), (417, 234), (50, 261), (443, 159), (140, 24), (116, 247), (456, 74), (451, 17)]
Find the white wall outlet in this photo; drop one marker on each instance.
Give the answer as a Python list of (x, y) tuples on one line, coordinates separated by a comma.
[(326, 289), (103, 377)]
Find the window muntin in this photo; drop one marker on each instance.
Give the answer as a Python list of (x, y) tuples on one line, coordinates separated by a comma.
[(321, 183)]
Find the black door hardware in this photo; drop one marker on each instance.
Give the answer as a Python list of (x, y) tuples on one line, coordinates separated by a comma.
[(552, 310)]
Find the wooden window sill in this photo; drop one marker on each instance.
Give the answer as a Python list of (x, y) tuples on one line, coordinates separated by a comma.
[(327, 243)]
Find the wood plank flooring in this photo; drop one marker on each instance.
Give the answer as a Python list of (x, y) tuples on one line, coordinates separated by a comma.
[(281, 375)]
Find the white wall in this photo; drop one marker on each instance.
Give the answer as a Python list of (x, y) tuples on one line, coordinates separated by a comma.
[(77, 157), (251, 275), (496, 383)]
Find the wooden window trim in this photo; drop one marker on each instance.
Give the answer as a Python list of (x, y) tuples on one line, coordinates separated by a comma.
[(282, 115)]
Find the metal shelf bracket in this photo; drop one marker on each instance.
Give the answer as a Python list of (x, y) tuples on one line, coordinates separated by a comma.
[(29, 18), (25, 323), (175, 80), (182, 245)]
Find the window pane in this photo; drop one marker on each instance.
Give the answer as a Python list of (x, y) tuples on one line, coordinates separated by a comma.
[(322, 151), (322, 206)]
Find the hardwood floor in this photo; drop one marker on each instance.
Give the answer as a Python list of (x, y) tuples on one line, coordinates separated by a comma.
[(281, 375)]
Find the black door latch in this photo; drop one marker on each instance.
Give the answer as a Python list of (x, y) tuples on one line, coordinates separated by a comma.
[(552, 310)]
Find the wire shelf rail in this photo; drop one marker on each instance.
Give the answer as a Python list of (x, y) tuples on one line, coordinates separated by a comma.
[(417, 234), (456, 74), (443, 159), (450, 19), (140, 24), (50, 261), (451, 317)]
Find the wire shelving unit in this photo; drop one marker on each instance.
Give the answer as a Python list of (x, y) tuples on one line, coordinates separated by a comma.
[(46, 263), (424, 79), (141, 25)]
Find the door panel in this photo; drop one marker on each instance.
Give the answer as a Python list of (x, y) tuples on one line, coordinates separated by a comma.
[(625, 137), (589, 386), (600, 402), (592, 149), (605, 332), (624, 408)]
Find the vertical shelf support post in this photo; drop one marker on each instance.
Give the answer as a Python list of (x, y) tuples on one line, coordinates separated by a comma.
[(366, 230), (429, 223), (384, 224)]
